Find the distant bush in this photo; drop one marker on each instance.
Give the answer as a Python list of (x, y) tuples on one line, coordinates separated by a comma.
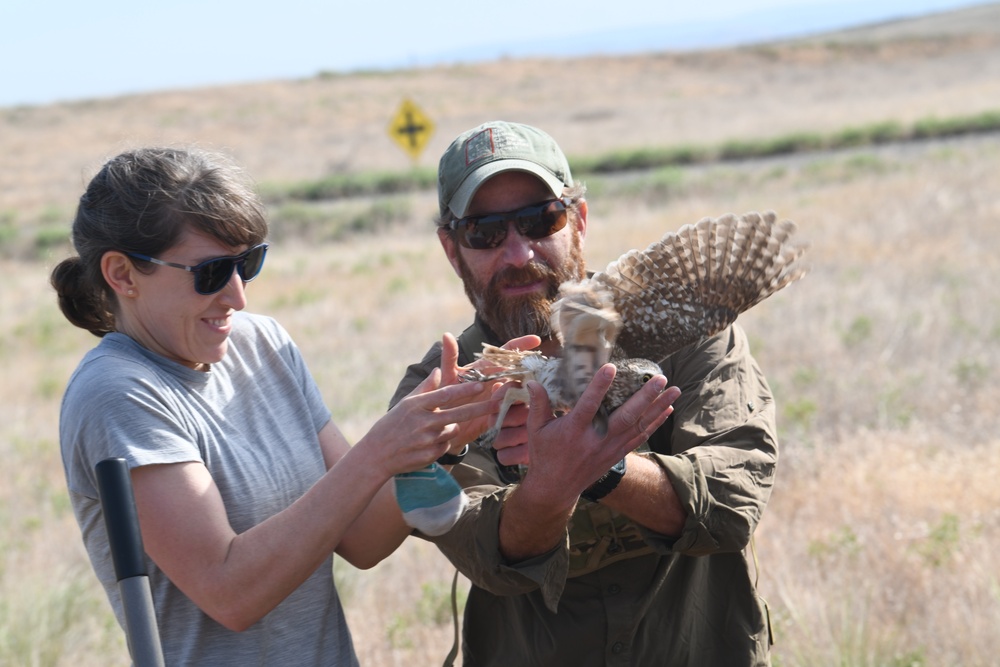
[(305, 209), (323, 222), (933, 127), (50, 237), (339, 186), (643, 158), (8, 228), (887, 132)]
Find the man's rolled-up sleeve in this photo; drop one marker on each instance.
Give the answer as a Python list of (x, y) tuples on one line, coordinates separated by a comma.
[(723, 444), (483, 564)]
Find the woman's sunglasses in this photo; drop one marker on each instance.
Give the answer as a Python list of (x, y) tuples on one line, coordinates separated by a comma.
[(482, 232), (213, 274)]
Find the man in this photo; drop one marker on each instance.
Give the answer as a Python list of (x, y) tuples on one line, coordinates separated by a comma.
[(649, 566)]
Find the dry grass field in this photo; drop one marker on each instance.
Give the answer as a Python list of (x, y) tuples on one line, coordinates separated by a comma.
[(881, 545)]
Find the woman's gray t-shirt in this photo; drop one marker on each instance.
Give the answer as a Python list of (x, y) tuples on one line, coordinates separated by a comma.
[(253, 420)]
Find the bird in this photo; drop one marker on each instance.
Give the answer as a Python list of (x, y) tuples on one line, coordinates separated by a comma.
[(689, 285)]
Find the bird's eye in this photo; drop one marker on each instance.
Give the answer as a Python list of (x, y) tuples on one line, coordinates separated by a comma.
[(646, 377)]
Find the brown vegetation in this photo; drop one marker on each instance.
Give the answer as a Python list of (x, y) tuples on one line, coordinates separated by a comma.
[(880, 544)]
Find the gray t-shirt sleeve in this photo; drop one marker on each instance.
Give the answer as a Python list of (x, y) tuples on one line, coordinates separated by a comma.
[(111, 409)]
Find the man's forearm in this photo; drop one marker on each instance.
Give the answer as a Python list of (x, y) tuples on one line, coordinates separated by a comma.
[(530, 527), (646, 496)]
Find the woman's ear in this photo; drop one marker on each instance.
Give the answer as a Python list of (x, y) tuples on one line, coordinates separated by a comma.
[(119, 272)]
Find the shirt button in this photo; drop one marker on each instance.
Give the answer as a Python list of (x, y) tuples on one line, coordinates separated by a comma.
[(614, 589), (617, 648)]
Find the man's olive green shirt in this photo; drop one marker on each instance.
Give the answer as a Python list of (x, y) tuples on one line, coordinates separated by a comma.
[(615, 593)]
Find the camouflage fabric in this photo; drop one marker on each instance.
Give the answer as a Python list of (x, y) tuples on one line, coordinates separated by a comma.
[(599, 536)]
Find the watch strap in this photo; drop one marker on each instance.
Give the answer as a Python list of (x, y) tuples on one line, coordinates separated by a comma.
[(453, 459), (606, 484)]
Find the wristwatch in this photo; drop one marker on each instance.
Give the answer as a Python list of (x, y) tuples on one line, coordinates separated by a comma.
[(606, 484), (453, 459)]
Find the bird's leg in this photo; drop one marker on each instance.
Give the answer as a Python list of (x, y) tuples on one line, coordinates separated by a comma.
[(513, 395), (473, 375), (476, 375)]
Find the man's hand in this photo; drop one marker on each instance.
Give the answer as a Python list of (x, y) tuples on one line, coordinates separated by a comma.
[(567, 455)]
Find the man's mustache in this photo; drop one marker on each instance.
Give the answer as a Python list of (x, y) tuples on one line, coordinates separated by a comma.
[(513, 276)]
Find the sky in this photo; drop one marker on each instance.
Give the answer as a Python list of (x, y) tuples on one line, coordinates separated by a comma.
[(63, 50)]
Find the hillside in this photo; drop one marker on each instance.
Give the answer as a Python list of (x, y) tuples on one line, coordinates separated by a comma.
[(942, 65), (881, 542)]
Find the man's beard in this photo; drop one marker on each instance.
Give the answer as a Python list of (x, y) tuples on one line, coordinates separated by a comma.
[(510, 317)]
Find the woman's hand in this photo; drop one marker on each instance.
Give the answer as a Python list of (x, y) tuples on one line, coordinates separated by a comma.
[(419, 429), (451, 371)]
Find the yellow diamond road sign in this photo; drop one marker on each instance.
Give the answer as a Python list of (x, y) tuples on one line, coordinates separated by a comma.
[(411, 129)]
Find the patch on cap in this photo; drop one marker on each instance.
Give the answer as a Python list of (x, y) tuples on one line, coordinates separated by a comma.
[(490, 149), (479, 146), (487, 144)]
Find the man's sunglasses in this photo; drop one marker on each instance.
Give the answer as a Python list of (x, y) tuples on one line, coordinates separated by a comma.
[(482, 232), (213, 274)]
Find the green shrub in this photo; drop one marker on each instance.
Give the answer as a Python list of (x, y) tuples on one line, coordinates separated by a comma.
[(344, 185)]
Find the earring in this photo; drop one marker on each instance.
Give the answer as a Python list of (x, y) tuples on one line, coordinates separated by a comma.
[(131, 292)]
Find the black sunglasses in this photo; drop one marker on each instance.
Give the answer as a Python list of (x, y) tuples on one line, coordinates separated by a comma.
[(213, 274), (482, 232)]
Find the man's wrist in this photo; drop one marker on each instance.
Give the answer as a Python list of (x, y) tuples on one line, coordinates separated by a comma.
[(606, 484)]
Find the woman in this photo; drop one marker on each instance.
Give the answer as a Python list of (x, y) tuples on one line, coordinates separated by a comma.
[(243, 485)]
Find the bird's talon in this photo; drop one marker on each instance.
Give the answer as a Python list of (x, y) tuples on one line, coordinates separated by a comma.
[(485, 441), (472, 375)]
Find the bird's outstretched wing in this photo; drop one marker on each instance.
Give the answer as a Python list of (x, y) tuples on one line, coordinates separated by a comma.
[(647, 304), (694, 282)]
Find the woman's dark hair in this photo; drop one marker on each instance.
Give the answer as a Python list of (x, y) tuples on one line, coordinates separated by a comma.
[(142, 201)]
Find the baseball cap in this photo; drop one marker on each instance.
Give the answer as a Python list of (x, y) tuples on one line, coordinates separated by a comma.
[(494, 147)]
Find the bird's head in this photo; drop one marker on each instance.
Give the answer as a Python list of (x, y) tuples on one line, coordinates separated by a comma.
[(631, 375)]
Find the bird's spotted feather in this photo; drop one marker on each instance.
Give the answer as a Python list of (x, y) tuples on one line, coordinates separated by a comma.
[(648, 304), (694, 282)]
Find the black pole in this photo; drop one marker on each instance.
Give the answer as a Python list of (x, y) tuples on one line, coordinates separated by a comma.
[(122, 522)]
